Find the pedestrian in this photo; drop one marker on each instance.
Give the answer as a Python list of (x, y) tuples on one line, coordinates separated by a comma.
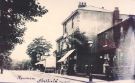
[(74, 69), (109, 73), (1, 63), (105, 65), (87, 70), (90, 73), (62, 70)]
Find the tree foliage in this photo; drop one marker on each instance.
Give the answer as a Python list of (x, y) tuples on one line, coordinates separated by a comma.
[(39, 46), (7, 62), (78, 39), (22, 65), (14, 14)]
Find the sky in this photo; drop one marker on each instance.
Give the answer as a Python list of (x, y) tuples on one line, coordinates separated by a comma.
[(50, 25)]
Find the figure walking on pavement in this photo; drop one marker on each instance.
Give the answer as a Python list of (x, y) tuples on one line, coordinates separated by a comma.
[(62, 70), (1, 63), (90, 72)]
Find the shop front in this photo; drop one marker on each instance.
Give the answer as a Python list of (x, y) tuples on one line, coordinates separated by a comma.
[(67, 63)]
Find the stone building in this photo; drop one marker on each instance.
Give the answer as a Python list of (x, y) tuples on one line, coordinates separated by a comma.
[(116, 46), (89, 21)]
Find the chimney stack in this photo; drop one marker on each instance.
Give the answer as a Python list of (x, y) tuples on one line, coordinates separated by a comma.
[(116, 16), (82, 4)]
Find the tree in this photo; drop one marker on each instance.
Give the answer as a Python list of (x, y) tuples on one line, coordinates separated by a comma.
[(26, 65), (22, 65), (79, 42), (78, 39), (14, 14), (39, 46), (8, 62)]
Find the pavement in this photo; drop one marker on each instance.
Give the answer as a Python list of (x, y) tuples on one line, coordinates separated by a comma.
[(81, 79), (86, 80), (25, 76), (7, 77), (12, 76), (97, 76)]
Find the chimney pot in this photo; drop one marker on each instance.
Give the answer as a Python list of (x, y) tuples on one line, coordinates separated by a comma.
[(82, 4), (116, 8)]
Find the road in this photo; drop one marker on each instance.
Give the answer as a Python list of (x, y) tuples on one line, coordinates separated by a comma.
[(35, 77), (19, 76)]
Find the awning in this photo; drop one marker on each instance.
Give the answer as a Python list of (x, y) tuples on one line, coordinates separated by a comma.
[(41, 62), (66, 55)]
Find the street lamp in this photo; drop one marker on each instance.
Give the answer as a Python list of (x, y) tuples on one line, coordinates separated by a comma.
[(90, 65)]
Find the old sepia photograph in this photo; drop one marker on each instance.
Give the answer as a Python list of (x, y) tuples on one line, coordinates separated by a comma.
[(67, 41)]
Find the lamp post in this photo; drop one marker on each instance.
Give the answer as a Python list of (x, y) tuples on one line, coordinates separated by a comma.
[(90, 64)]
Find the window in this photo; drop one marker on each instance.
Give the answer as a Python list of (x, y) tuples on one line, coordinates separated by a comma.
[(121, 30), (105, 42), (72, 23), (64, 45), (106, 56), (121, 34), (75, 57), (65, 29), (106, 36)]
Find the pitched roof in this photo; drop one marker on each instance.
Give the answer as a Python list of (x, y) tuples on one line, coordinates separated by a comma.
[(60, 38), (90, 8), (131, 19)]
